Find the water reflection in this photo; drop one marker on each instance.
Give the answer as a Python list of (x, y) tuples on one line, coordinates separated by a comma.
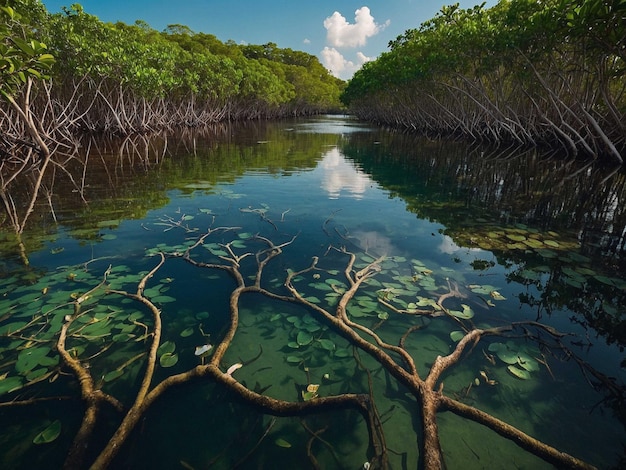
[(342, 177), (431, 205)]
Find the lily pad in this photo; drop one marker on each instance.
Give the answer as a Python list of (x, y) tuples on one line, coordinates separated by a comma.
[(507, 356), (465, 314), (10, 384), (496, 295), (167, 347), (52, 431), (527, 363), (168, 360), (519, 373), (327, 344), (457, 335), (515, 238), (343, 352), (30, 358), (163, 299), (304, 338), (186, 332)]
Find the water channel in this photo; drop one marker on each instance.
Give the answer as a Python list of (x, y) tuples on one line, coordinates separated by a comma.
[(517, 236)]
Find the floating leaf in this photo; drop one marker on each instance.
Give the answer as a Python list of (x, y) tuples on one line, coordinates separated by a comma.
[(282, 443), (605, 280), (114, 374), (526, 362), (507, 356), (293, 359), (36, 374), (466, 314), (357, 312), (327, 344), (533, 243), (109, 223), (343, 352), (383, 315), (49, 434), (546, 253), (168, 360), (304, 338), (167, 347), (10, 384), (519, 373), (456, 335), (368, 303), (515, 238), (496, 295), (322, 286), (186, 332), (30, 358)]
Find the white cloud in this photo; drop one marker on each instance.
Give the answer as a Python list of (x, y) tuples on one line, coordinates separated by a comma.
[(340, 33), (339, 66), (306, 41)]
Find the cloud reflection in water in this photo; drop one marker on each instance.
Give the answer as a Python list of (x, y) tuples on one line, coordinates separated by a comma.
[(340, 175)]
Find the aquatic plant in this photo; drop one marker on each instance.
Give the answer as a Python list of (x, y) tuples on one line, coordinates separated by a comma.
[(346, 297)]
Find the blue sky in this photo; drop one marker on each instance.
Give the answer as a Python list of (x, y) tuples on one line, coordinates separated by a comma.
[(342, 34)]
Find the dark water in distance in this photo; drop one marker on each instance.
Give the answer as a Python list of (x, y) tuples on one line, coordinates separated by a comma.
[(523, 237)]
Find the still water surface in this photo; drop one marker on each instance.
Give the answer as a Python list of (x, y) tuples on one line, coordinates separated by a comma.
[(519, 237)]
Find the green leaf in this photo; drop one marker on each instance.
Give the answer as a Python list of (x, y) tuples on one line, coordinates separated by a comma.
[(304, 338), (186, 332), (327, 344), (466, 314), (25, 47), (46, 59), (168, 360), (282, 443), (456, 335), (49, 434), (10, 384), (519, 373), (167, 347), (114, 374)]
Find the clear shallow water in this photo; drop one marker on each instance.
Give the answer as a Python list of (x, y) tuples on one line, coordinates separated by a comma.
[(328, 182)]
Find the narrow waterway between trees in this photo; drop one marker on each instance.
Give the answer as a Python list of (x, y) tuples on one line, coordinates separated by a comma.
[(203, 299)]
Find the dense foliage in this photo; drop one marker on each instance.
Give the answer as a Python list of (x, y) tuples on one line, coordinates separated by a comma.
[(549, 72), (131, 78)]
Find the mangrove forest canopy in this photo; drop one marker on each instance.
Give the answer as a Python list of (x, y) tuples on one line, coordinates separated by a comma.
[(76, 73), (526, 72)]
